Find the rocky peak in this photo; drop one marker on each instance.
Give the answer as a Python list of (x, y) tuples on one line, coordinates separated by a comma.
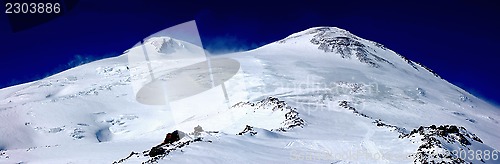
[(346, 45), (166, 45)]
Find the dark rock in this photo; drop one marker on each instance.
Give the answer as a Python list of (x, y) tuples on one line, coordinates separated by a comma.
[(155, 151), (248, 129), (431, 141)]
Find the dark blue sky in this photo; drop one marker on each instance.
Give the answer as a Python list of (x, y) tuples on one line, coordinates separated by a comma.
[(457, 39)]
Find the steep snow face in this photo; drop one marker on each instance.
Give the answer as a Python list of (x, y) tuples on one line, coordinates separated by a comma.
[(342, 99), (399, 90), (347, 45), (343, 43)]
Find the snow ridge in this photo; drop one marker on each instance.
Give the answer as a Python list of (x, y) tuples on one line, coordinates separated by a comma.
[(291, 117), (439, 142), (161, 151)]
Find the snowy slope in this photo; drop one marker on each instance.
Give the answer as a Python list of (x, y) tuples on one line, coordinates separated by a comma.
[(342, 99)]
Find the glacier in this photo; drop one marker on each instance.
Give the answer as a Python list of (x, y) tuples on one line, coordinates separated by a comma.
[(322, 95)]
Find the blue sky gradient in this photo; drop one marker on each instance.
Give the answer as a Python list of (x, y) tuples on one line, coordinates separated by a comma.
[(457, 39)]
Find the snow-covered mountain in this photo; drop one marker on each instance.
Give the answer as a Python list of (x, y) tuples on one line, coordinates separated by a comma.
[(322, 95)]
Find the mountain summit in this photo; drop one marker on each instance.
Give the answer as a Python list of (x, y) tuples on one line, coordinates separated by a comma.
[(322, 95)]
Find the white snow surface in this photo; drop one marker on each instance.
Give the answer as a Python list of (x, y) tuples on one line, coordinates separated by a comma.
[(89, 114)]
